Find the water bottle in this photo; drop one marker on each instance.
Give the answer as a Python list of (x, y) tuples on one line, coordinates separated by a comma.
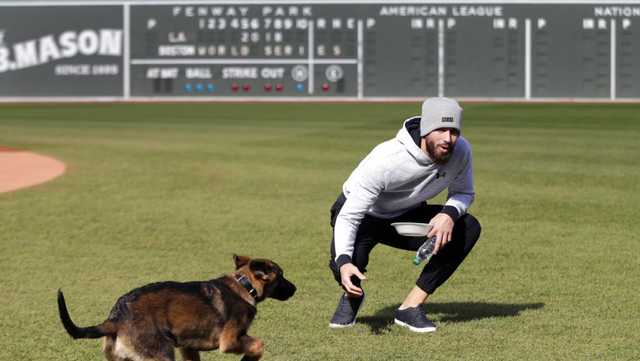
[(425, 251)]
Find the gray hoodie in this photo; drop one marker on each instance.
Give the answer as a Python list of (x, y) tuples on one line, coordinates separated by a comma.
[(397, 176)]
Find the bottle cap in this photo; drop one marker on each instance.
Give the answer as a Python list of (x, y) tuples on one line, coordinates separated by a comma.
[(416, 260)]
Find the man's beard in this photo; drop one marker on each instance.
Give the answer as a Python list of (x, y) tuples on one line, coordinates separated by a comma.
[(432, 147)]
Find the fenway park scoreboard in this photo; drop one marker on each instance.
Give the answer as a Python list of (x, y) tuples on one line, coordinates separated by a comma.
[(319, 49)]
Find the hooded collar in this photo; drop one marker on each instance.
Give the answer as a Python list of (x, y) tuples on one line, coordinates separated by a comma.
[(409, 137)]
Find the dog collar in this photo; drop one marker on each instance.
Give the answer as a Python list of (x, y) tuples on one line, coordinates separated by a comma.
[(244, 281)]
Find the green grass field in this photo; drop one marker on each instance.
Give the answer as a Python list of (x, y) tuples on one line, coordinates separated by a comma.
[(170, 191)]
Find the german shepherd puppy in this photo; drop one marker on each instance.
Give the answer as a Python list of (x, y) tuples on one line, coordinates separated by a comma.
[(149, 322)]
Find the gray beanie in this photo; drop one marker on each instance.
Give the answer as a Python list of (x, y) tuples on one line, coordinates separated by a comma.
[(440, 113)]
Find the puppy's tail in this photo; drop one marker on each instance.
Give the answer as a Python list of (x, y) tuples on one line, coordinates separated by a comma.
[(107, 328)]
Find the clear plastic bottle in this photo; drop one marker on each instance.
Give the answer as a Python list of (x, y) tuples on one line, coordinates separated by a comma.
[(425, 251)]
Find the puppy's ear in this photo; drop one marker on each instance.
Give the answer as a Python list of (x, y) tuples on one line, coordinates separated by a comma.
[(240, 260)]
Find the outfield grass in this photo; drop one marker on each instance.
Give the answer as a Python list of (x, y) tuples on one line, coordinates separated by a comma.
[(170, 191)]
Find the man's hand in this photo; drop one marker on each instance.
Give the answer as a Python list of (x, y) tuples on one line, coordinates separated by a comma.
[(346, 271), (442, 227)]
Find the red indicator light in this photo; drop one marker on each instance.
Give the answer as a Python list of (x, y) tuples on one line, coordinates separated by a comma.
[(325, 87), (235, 87), (279, 87), (268, 87), (246, 87)]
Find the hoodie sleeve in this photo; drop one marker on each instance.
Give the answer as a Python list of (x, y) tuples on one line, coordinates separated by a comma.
[(364, 188), (461, 193)]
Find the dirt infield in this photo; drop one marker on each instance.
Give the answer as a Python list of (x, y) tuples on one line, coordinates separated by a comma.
[(21, 169)]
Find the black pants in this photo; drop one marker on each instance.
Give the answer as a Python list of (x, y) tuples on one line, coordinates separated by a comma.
[(372, 231)]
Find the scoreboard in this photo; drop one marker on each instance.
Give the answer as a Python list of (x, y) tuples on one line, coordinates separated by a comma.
[(319, 49)]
